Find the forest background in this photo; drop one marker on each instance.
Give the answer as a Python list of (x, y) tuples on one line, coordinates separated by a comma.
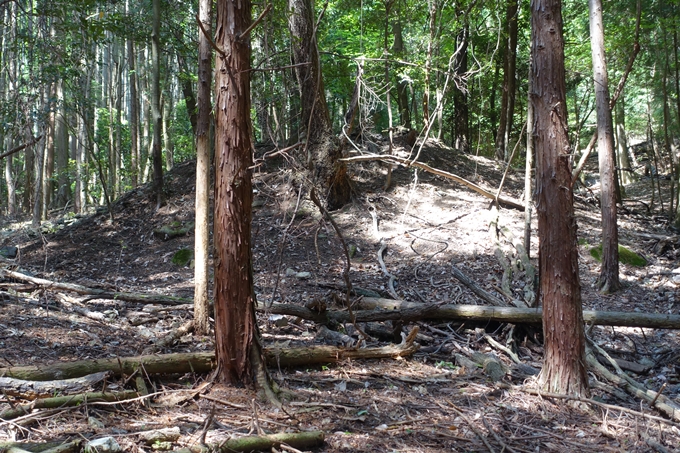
[(76, 85)]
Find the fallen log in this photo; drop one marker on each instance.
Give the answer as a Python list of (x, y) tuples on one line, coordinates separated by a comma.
[(67, 401), (637, 390), (203, 362), (267, 442), (153, 364), (31, 390), (525, 315), (99, 293)]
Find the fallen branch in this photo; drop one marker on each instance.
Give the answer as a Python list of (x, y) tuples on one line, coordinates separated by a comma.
[(389, 159), (589, 401), (302, 440), (475, 288), (654, 399), (39, 389), (99, 293), (203, 362), (523, 315), (67, 401)]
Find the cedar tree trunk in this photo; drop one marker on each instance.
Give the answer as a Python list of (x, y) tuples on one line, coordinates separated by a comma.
[(609, 272), (235, 327), (560, 290), (460, 101), (509, 81), (157, 157), (323, 148), (202, 229)]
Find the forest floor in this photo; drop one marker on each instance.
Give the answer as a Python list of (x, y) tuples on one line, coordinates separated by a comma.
[(432, 401)]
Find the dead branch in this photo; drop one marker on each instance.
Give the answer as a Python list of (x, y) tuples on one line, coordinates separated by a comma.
[(475, 288), (395, 160), (202, 362), (39, 389), (267, 442), (67, 401), (654, 399), (20, 147), (99, 293), (523, 315)]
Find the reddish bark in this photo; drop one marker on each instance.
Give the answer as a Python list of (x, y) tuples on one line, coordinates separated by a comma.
[(235, 327), (560, 290)]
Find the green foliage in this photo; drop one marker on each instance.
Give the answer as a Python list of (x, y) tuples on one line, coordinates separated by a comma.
[(182, 257), (626, 256), (181, 133)]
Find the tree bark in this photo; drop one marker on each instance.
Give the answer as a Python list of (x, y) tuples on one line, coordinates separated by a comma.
[(157, 114), (236, 334), (509, 79), (202, 229), (402, 83), (560, 289), (323, 150), (609, 271), (460, 101), (133, 115)]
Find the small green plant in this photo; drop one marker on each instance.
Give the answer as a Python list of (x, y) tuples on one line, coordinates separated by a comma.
[(446, 365), (182, 257), (626, 256)]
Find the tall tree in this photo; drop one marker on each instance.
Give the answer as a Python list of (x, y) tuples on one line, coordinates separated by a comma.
[(609, 272), (323, 148), (560, 289), (236, 335), (202, 233), (509, 80), (157, 114), (461, 139)]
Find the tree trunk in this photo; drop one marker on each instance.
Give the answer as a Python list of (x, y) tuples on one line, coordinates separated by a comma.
[(432, 8), (133, 120), (188, 92), (323, 150), (168, 108), (528, 166), (236, 335), (402, 83), (622, 158), (560, 289), (48, 172), (157, 157), (202, 229), (61, 151), (609, 271), (509, 78), (460, 101)]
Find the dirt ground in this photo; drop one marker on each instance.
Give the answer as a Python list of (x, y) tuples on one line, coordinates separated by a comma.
[(432, 401)]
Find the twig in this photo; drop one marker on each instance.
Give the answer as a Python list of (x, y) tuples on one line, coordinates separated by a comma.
[(512, 155), (224, 402), (392, 278), (282, 247), (209, 38), (20, 147), (472, 426), (206, 425), (257, 21), (348, 262), (505, 349), (504, 446), (593, 402), (282, 151)]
